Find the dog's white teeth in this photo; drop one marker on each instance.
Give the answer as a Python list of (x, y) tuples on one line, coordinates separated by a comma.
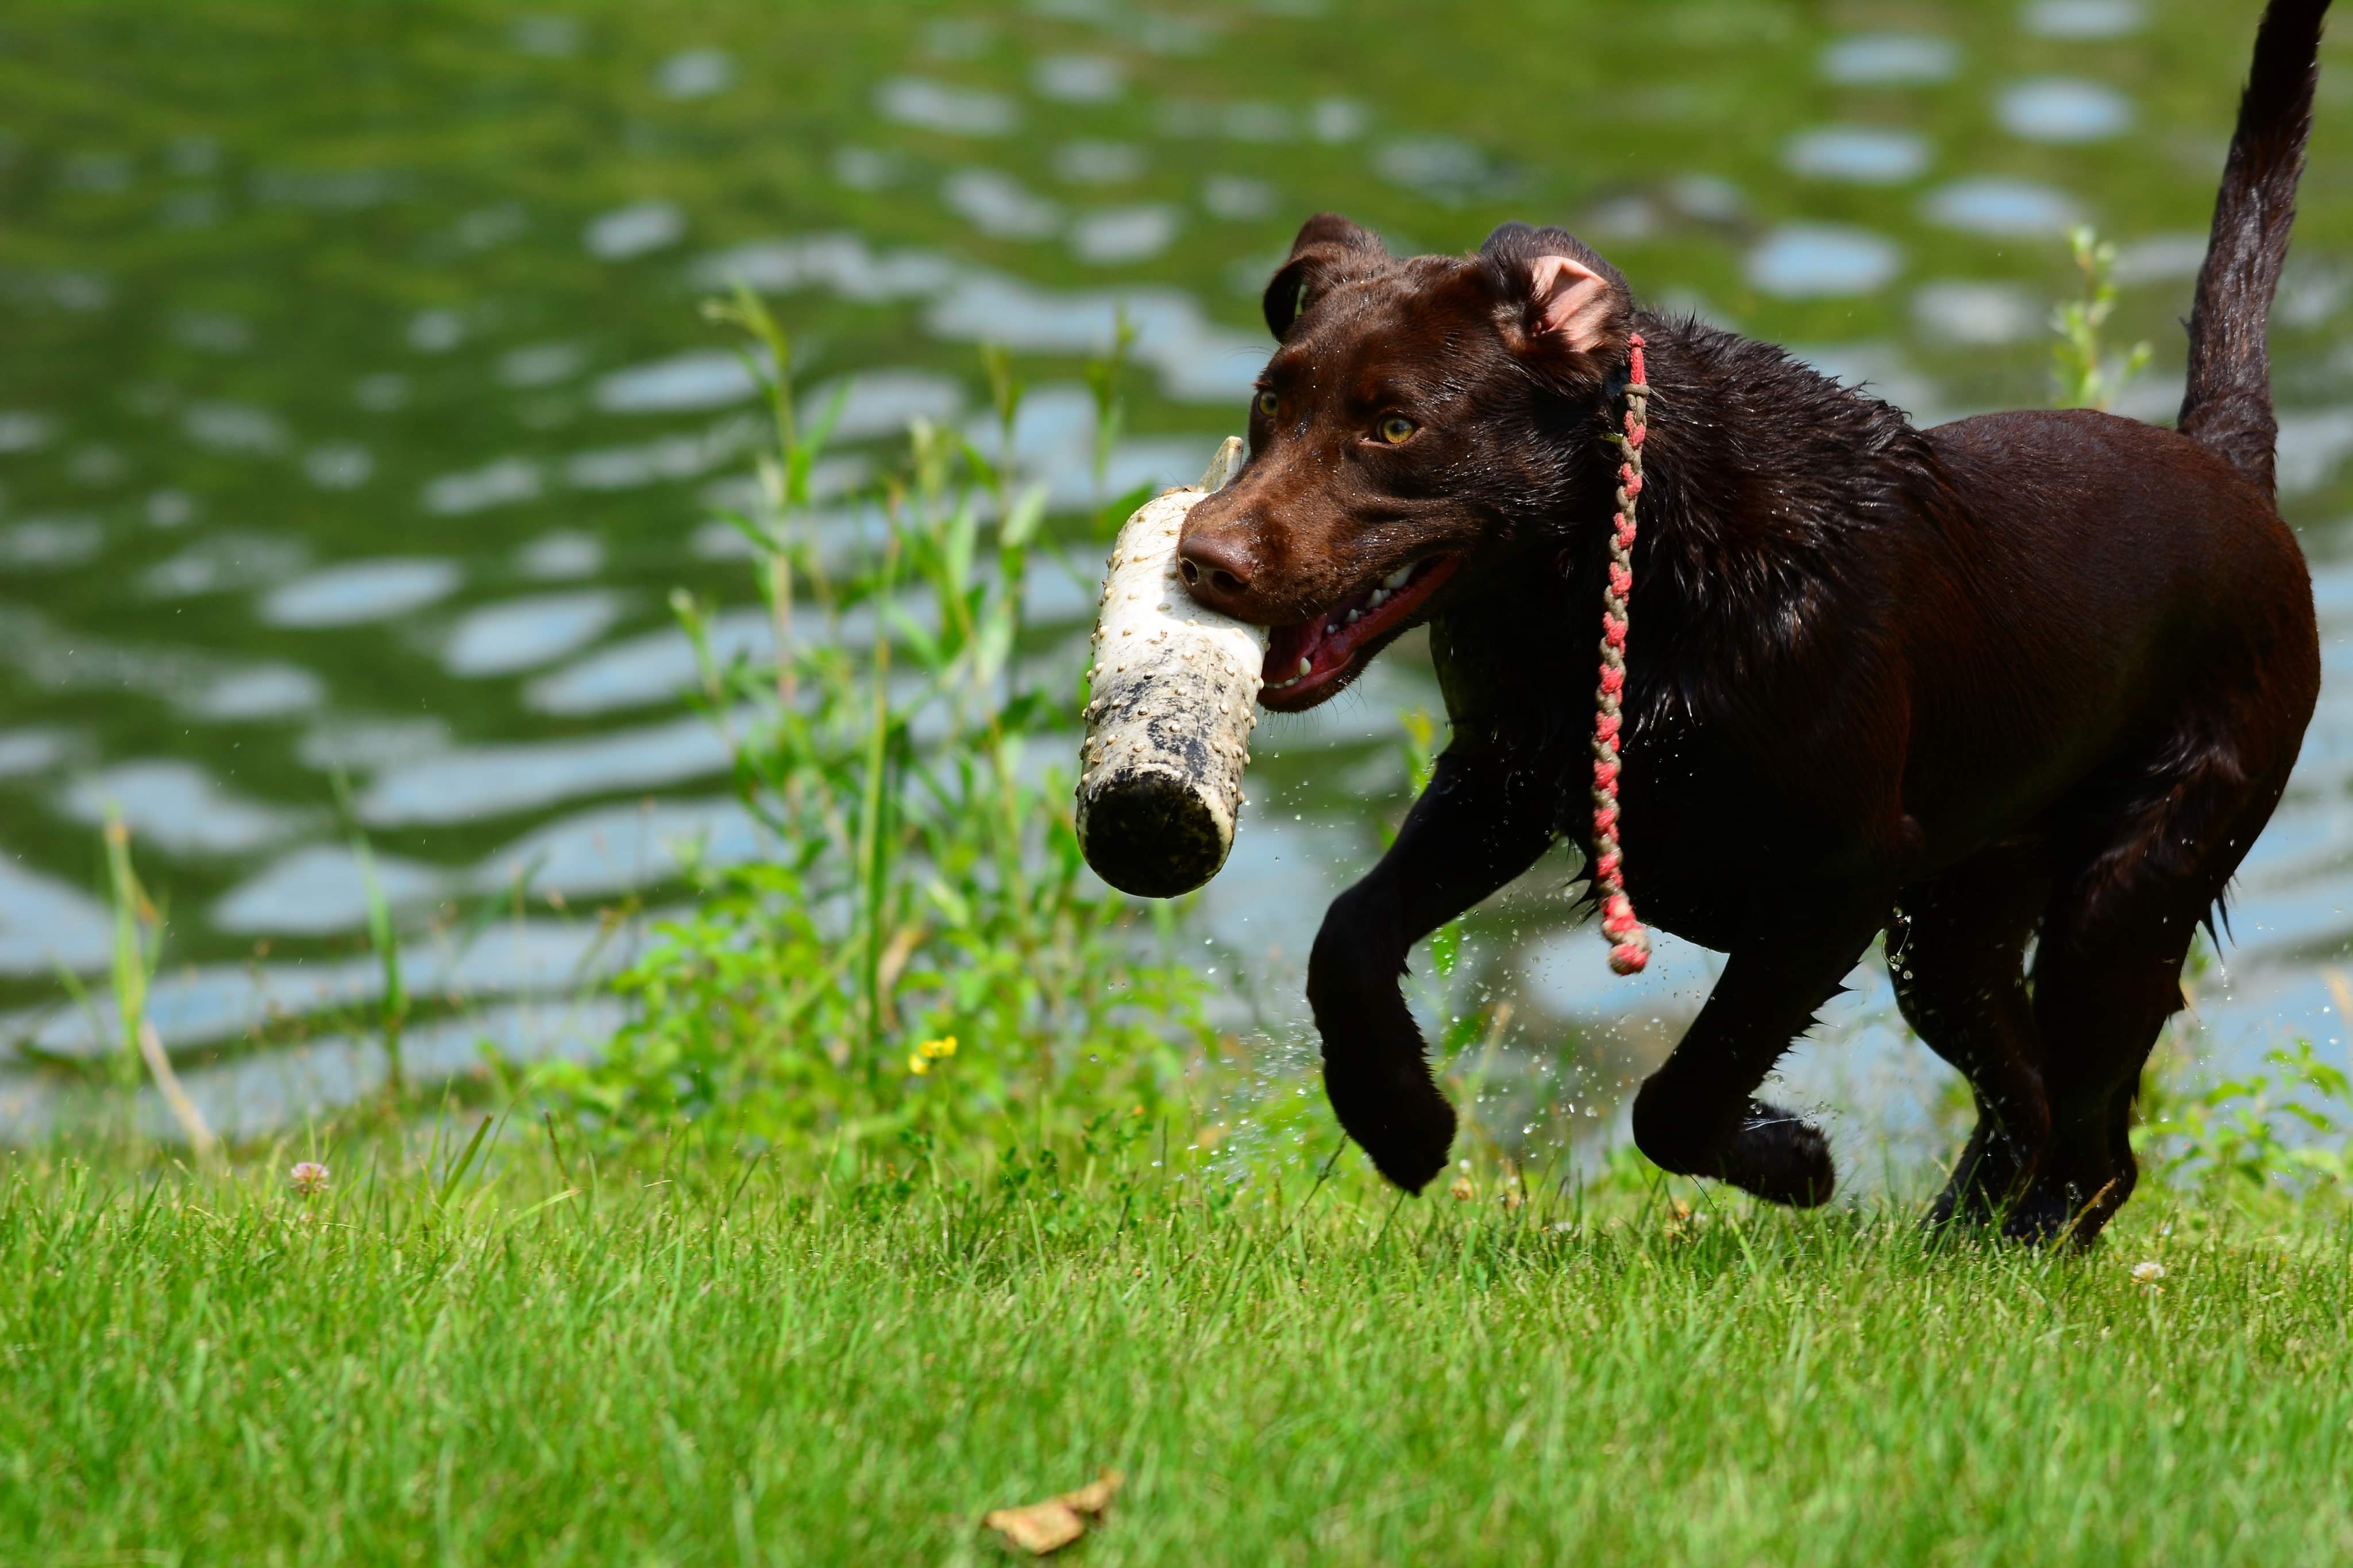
[(1396, 579), (1332, 629), (1380, 597), (1353, 615), (1304, 666)]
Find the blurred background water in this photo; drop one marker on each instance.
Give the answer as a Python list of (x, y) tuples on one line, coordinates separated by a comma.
[(355, 416)]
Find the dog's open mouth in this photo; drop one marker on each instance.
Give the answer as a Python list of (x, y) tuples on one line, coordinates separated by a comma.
[(1307, 662)]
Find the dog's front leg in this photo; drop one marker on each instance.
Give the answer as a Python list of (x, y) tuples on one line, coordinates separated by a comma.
[(1694, 1116), (1481, 822)]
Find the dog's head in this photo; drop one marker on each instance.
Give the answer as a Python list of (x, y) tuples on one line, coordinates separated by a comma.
[(1419, 416)]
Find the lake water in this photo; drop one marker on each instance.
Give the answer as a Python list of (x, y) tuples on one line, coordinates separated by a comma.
[(356, 415)]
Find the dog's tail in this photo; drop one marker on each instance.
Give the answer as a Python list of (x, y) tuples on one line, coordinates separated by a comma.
[(2227, 406)]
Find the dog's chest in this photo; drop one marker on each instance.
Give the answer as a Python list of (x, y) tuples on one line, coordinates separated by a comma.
[(1698, 823), (1695, 825)]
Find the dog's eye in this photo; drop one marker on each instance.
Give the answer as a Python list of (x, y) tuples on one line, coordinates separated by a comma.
[(1266, 404), (1397, 429)]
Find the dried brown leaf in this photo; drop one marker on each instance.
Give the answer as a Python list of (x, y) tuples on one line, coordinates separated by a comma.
[(1040, 1528), (1094, 1498), (1048, 1526)]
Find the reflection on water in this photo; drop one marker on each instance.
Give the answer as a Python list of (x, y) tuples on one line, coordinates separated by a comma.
[(225, 560), (1861, 154), (1891, 59), (368, 439), (319, 890), (2083, 18), (254, 1095), (613, 849), (2004, 207), (1962, 312), (47, 924), (360, 592), (706, 378), (928, 105), (633, 230), (1816, 261), (525, 632), (1119, 235), (218, 1004), (2062, 109), (999, 205), (177, 806), (651, 667), (469, 782)]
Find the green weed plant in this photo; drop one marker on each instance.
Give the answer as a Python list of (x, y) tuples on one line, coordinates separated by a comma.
[(2086, 374), (926, 950), (2284, 1127)]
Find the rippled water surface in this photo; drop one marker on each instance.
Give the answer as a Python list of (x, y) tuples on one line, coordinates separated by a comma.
[(355, 416)]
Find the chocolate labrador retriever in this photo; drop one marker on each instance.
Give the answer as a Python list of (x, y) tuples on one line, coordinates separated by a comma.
[(2030, 678)]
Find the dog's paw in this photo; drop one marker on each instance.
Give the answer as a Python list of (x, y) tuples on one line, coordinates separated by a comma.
[(1395, 1113), (1987, 1175), (2072, 1207), (1782, 1158)]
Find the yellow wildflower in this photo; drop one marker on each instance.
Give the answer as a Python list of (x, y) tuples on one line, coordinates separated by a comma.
[(919, 1064), (944, 1047)]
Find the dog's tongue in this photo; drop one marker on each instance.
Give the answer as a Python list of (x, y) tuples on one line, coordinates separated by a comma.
[(1291, 650), (1323, 645)]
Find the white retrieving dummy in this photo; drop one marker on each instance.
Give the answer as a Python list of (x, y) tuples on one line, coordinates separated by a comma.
[(1174, 690)]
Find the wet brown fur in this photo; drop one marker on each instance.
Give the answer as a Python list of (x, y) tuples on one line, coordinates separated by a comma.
[(2038, 675)]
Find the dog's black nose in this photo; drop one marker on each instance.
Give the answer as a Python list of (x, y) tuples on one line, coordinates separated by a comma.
[(1216, 569)]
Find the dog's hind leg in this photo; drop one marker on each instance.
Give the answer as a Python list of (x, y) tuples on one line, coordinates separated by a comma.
[(1956, 951), (1695, 1115), (2108, 971)]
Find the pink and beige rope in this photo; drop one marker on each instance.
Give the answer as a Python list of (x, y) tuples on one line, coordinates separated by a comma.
[(1630, 947)]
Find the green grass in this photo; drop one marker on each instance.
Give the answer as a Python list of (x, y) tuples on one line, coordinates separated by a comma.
[(725, 1364)]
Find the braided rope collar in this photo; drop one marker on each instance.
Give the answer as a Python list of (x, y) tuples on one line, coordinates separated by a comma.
[(1630, 947)]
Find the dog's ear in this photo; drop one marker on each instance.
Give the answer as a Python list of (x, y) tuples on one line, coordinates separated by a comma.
[(1571, 303), (1329, 251), (1568, 302)]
